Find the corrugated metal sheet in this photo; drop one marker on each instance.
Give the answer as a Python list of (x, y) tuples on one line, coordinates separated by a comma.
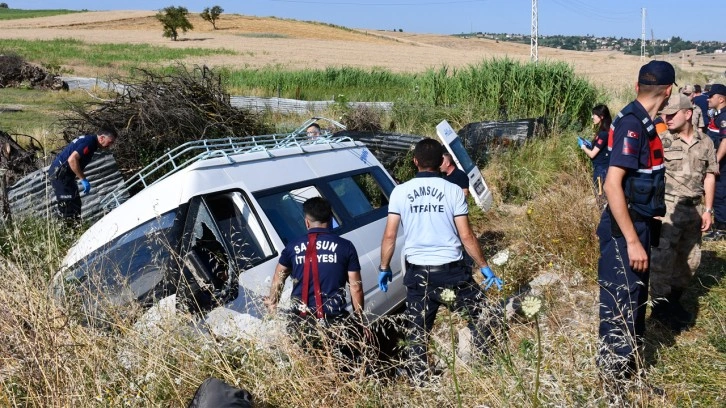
[(33, 195), (283, 105)]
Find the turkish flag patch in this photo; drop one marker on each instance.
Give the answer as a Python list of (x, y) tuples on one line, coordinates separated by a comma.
[(633, 134), (85, 150), (630, 147)]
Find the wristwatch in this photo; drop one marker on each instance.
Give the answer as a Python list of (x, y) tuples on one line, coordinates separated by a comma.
[(709, 210)]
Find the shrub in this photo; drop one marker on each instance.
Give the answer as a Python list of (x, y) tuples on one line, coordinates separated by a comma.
[(212, 15), (161, 111), (362, 118), (174, 19)]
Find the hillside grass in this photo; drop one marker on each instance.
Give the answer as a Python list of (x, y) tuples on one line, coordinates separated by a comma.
[(12, 14), (62, 52), (38, 112)]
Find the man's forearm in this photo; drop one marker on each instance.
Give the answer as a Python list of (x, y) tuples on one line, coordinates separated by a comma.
[(619, 210), (278, 280), (388, 246), (355, 283), (471, 246), (709, 189)]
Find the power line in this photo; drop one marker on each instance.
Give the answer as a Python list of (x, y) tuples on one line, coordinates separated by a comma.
[(357, 3), (588, 11)]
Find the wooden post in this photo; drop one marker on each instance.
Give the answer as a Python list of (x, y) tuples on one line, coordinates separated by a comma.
[(4, 201)]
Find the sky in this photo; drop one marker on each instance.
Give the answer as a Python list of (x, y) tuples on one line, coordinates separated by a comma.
[(618, 18)]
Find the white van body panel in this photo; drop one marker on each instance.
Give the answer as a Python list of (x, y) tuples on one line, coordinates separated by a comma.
[(251, 173)]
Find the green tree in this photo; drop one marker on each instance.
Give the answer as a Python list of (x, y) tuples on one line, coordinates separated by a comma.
[(212, 15), (4, 5), (174, 19)]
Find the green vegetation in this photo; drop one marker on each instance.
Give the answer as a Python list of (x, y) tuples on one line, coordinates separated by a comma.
[(629, 46), (65, 51), (174, 19), (12, 14), (212, 15), (492, 89), (39, 112)]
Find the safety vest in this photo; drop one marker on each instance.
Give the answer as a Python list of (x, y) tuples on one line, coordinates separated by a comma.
[(644, 188)]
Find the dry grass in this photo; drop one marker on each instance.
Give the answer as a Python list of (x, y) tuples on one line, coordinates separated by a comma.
[(48, 359), (294, 44)]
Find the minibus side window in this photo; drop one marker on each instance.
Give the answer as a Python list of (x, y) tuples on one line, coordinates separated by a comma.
[(360, 194), (240, 227), (284, 210)]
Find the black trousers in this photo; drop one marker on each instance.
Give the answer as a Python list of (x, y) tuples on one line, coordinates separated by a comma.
[(341, 334), (68, 200), (623, 299), (424, 287)]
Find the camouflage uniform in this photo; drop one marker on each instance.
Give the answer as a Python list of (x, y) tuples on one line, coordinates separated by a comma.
[(697, 119), (675, 259)]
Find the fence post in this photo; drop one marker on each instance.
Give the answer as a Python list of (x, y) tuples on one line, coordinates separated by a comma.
[(4, 202)]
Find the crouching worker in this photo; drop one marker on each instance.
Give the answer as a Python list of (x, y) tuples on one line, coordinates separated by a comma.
[(69, 165), (321, 263)]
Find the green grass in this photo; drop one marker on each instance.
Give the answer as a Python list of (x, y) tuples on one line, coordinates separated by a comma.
[(65, 51), (40, 110), (12, 14)]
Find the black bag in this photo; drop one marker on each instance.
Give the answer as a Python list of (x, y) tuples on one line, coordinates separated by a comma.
[(215, 393)]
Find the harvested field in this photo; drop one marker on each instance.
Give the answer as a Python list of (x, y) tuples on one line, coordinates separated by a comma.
[(290, 44)]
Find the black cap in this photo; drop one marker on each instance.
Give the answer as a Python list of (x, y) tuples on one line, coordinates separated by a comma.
[(657, 73), (717, 89)]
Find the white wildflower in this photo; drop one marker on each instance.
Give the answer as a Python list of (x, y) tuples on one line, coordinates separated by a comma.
[(448, 296), (531, 305)]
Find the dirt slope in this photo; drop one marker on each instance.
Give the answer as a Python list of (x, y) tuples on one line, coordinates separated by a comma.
[(265, 42)]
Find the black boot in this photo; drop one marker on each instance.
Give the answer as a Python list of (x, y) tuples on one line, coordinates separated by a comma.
[(661, 311), (680, 317)]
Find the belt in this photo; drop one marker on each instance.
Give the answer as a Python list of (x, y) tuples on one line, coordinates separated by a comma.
[(634, 215), (436, 268), (687, 201)]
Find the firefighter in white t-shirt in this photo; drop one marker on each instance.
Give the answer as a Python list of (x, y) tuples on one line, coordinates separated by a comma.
[(435, 220)]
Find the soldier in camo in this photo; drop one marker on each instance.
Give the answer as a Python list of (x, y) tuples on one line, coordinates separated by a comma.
[(690, 160)]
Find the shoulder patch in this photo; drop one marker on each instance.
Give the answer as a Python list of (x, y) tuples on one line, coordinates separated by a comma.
[(633, 134), (630, 147), (723, 124), (85, 150)]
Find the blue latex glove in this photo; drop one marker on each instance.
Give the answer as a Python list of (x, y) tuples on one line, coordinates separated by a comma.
[(86, 186), (582, 142), (384, 276), (491, 278)]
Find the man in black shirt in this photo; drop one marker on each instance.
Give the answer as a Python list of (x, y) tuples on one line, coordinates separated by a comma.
[(454, 174)]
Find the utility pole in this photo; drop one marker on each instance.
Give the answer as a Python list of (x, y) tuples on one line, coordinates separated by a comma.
[(533, 51), (642, 34)]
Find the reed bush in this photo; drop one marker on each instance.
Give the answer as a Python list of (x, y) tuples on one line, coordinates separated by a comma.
[(496, 89)]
